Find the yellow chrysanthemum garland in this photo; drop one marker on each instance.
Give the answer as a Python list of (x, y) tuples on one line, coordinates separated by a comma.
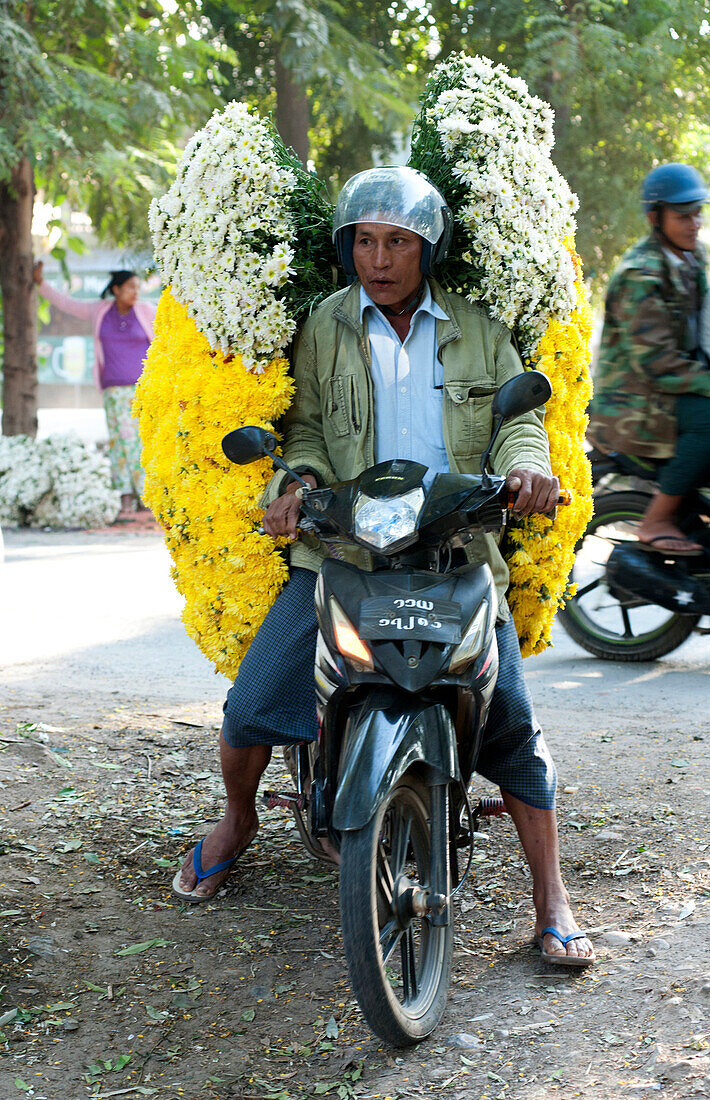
[(541, 551), (188, 398), (245, 232)]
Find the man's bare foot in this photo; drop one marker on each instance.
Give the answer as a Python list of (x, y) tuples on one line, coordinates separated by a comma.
[(226, 840), (558, 914), (666, 536)]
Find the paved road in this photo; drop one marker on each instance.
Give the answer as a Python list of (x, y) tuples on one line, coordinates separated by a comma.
[(98, 612)]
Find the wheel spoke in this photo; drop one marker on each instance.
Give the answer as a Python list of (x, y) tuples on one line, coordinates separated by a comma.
[(399, 962), (385, 879), (409, 966), (401, 828), (389, 938), (628, 632), (588, 588)]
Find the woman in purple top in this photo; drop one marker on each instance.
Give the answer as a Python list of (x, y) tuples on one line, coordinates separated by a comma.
[(123, 330)]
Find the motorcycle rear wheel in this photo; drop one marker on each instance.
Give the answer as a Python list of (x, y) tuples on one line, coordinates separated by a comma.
[(606, 624), (400, 968)]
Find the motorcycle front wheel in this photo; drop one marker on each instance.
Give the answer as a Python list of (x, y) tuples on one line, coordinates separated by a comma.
[(614, 626), (399, 962)]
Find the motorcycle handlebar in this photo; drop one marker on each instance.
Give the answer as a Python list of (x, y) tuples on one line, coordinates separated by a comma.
[(564, 498)]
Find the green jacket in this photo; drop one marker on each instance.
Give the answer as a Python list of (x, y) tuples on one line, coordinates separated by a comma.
[(644, 361), (330, 425)]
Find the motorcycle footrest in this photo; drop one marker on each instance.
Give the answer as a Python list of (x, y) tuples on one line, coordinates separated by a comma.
[(488, 807), (287, 800)]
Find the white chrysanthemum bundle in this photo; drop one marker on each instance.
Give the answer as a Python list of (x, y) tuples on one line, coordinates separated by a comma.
[(486, 142), (55, 482), (223, 235)]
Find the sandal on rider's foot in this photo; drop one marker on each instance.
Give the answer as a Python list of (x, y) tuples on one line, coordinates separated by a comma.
[(684, 549), (559, 959), (192, 895)]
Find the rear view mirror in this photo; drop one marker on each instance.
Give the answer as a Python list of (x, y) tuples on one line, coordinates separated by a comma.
[(521, 394), (516, 396), (247, 444)]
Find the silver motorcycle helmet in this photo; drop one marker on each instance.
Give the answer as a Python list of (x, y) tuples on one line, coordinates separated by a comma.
[(393, 195)]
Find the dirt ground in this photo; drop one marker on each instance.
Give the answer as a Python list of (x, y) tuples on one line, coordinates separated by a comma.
[(112, 987), (109, 986)]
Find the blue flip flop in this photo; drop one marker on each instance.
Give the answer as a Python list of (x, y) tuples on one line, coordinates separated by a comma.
[(563, 960), (191, 895)]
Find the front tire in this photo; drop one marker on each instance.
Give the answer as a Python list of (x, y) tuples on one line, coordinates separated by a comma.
[(612, 626), (399, 963)]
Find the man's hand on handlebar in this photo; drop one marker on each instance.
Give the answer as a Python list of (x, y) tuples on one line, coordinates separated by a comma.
[(281, 517), (534, 492)]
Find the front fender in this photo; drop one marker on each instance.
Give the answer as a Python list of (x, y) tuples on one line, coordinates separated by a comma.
[(379, 745)]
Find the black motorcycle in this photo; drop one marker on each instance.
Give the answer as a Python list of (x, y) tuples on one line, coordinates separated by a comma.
[(635, 604), (406, 665)]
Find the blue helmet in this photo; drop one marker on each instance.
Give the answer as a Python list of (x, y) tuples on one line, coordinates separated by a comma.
[(673, 185)]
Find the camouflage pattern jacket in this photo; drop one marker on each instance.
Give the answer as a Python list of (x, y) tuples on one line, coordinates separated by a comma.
[(644, 360)]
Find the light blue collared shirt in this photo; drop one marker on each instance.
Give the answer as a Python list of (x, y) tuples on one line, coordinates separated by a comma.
[(408, 382)]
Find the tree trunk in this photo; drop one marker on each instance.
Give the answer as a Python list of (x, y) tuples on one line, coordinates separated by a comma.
[(19, 306), (292, 112)]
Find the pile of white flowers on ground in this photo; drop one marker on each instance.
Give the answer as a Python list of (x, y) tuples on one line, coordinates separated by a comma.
[(223, 235), (55, 482), (486, 142)]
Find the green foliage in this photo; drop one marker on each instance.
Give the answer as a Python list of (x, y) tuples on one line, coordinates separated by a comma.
[(628, 83), (102, 93), (312, 213), (360, 66), (64, 244), (94, 92), (427, 155)]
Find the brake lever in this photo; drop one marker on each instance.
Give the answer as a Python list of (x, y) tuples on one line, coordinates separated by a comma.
[(304, 523)]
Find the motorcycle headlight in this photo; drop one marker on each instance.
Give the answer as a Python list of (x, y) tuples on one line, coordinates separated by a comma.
[(472, 642), (384, 523)]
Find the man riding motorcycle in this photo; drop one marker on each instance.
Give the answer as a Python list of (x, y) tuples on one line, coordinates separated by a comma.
[(393, 367), (652, 382)]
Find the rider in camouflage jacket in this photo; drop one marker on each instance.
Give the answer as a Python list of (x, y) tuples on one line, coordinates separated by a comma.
[(645, 360)]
